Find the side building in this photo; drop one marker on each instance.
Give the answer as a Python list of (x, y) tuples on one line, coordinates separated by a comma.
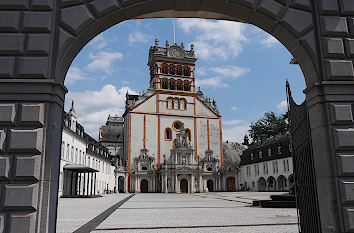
[(85, 165), (267, 166), (112, 136)]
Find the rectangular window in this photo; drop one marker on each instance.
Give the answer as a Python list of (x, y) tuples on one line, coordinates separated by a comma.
[(62, 149), (67, 151), (276, 167), (279, 150)]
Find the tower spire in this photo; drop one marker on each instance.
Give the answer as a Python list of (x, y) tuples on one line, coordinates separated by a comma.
[(174, 31)]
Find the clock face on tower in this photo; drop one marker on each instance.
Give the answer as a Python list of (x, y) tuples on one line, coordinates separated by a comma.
[(175, 52)]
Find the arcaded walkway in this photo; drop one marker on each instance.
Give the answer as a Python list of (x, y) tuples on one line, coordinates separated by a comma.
[(204, 212)]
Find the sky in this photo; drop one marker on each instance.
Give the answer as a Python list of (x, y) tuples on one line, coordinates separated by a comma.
[(242, 67)]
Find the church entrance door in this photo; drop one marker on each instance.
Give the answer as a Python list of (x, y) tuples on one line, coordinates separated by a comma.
[(144, 184), (121, 184), (230, 181), (184, 186), (210, 185)]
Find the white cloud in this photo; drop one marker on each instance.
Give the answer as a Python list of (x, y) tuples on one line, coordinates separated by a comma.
[(282, 105), (214, 82), (74, 74), (103, 61), (235, 134), (269, 41), (234, 108), (93, 107), (230, 71), (216, 38), (233, 122), (220, 75), (99, 42), (138, 37)]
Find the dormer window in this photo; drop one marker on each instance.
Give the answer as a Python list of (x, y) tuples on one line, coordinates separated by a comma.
[(279, 150), (269, 151), (252, 156), (260, 154), (290, 148)]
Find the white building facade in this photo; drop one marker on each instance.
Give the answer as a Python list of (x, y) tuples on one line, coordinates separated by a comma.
[(85, 166), (267, 166), (172, 133)]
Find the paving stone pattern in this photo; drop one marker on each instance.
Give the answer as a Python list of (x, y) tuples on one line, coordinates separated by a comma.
[(211, 212), (40, 38)]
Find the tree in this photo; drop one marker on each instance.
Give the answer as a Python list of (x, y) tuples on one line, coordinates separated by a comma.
[(270, 125)]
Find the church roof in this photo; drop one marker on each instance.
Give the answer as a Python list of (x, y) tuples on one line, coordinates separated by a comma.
[(112, 133)]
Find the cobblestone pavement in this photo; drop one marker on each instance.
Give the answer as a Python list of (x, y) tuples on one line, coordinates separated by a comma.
[(203, 212)]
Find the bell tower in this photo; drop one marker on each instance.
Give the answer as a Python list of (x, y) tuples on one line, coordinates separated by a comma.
[(172, 68)]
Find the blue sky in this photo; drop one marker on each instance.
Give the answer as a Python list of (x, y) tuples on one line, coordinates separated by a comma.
[(243, 68)]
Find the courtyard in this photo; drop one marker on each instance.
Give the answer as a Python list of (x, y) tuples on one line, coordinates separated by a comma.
[(158, 212)]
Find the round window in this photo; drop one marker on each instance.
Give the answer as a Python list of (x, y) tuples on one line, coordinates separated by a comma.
[(177, 126)]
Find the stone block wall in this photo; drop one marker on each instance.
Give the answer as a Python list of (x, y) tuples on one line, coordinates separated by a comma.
[(40, 38)]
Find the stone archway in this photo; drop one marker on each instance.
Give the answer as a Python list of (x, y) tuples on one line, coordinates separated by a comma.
[(262, 184), (271, 184), (41, 38), (282, 183)]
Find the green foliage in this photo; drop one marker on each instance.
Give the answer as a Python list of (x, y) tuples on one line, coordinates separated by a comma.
[(269, 125)]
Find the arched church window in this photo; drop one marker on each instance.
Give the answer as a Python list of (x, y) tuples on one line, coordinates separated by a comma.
[(164, 83), (172, 84), (188, 131), (169, 103), (186, 71), (179, 70), (187, 85), (164, 69), (183, 104), (172, 69), (179, 85), (168, 134), (176, 103)]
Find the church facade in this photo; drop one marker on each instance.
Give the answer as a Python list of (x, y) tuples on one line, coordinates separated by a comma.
[(172, 132)]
